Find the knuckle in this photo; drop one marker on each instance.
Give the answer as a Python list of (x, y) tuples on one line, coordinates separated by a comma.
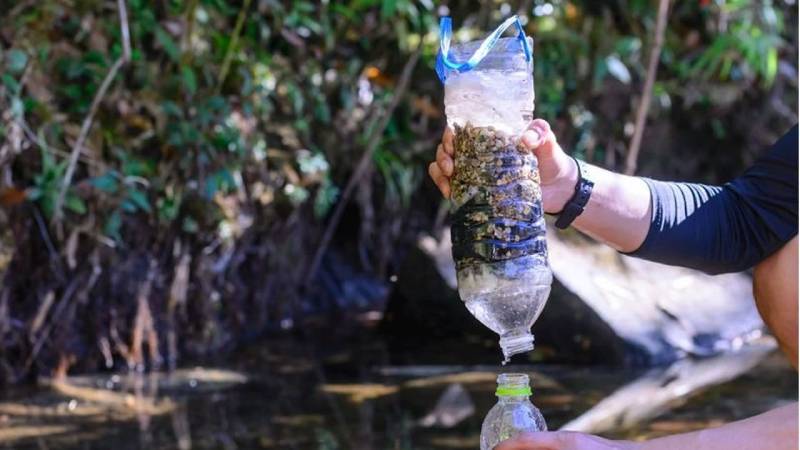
[(432, 169)]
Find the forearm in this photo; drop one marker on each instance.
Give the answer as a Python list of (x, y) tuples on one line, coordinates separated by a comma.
[(618, 212), (775, 430)]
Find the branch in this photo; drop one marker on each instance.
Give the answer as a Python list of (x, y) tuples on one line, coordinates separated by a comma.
[(98, 97), (647, 91), (232, 43), (363, 164)]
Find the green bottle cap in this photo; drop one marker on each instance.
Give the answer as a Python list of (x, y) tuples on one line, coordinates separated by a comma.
[(503, 391)]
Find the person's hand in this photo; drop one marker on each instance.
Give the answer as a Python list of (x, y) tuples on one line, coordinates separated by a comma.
[(557, 170), (562, 440)]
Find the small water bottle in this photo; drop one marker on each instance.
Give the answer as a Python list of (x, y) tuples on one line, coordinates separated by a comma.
[(498, 227), (513, 414)]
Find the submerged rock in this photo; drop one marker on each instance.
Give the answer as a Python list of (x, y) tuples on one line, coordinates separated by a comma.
[(453, 406), (604, 308), (658, 390)]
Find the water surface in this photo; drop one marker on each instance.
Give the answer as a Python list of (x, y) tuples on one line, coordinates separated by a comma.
[(354, 398)]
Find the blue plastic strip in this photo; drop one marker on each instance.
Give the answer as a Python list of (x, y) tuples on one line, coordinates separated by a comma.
[(443, 61)]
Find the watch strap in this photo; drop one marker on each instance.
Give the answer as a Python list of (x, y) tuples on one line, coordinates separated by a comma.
[(578, 201)]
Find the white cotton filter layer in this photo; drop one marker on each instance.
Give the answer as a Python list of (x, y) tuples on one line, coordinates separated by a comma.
[(497, 98)]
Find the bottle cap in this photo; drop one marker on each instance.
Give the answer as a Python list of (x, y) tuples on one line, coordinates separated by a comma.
[(506, 391)]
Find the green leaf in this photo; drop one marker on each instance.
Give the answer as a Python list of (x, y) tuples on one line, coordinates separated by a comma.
[(168, 44), (17, 107), (75, 204), (190, 225), (137, 167), (16, 60), (113, 224), (772, 66), (171, 108), (128, 206), (139, 198), (106, 183), (10, 83), (189, 80), (168, 208)]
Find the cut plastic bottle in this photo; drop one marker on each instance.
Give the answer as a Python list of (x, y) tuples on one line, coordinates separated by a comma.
[(498, 227)]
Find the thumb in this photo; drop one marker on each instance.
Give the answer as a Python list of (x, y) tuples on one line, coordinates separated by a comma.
[(539, 138), (531, 139)]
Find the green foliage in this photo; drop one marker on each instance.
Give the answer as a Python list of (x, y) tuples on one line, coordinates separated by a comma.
[(748, 47), (222, 95), (205, 103)]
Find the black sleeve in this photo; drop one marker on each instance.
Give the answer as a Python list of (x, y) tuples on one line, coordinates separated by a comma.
[(727, 228)]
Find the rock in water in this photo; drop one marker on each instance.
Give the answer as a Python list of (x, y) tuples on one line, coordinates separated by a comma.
[(453, 406)]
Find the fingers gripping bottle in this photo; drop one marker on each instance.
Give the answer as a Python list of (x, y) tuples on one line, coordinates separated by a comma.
[(498, 229), (513, 414)]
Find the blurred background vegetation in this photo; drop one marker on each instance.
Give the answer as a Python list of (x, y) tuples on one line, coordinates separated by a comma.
[(212, 163)]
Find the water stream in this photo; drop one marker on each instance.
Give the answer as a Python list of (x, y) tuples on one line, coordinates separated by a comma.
[(291, 396)]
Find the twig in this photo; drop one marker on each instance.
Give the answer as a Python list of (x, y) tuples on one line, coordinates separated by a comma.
[(234, 41), (124, 30), (45, 235), (647, 91), (363, 164), (19, 7), (47, 147), (55, 317), (98, 97)]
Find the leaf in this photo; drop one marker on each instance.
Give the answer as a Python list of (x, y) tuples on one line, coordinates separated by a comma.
[(168, 44), (75, 204), (128, 206), (168, 208), (16, 60), (137, 167), (10, 83), (113, 224), (190, 225), (171, 108), (17, 107), (772, 66), (139, 198), (189, 80), (106, 183)]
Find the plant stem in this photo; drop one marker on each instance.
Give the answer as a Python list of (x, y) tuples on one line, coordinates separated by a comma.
[(237, 29), (89, 119), (647, 91), (363, 164)]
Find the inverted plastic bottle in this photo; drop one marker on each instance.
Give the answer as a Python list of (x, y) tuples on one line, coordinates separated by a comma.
[(498, 228), (513, 414)]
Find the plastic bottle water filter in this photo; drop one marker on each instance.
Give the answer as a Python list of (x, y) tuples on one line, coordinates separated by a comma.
[(498, 228)]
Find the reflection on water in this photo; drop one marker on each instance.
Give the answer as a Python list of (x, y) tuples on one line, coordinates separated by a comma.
[(295, 397)]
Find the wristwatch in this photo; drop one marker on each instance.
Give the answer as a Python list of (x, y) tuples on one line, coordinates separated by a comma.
[(578, 201)]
